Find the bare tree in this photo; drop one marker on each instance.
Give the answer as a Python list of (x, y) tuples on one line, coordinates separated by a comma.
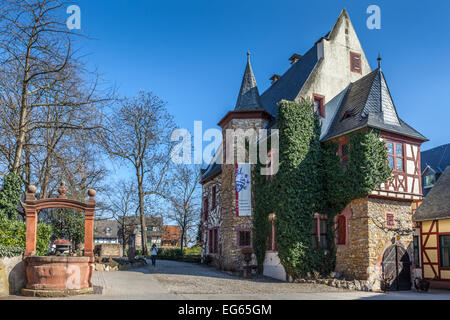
[(46, 92), (139, 134), (122, 203), (185, 201)]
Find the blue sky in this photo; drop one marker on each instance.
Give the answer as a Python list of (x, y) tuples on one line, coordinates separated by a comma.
[(192, 53)]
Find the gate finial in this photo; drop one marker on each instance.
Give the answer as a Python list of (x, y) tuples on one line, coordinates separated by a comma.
[(62, 191)]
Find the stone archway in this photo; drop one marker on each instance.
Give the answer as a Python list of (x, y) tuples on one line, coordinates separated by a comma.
[(33, 206), (58, 275)]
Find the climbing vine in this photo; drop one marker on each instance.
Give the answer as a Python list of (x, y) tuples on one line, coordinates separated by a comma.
[(10, 196), (311, 179)]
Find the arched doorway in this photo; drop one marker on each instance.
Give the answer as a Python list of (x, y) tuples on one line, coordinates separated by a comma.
[(397, 268)]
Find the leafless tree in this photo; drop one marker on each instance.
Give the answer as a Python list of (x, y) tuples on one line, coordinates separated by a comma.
[(122, 203), (185, 201), (46, 93), (139, 134)]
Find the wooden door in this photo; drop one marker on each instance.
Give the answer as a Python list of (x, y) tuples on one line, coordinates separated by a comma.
[(397, 268)]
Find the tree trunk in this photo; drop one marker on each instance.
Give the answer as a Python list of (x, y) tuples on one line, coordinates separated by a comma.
[(142, 215)]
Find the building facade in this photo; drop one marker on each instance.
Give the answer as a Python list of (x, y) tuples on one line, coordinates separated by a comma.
[(432, 238), (348, 97)]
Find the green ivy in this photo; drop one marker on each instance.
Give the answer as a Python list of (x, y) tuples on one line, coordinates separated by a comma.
[(311, 179), (12, 230), (10, 196)]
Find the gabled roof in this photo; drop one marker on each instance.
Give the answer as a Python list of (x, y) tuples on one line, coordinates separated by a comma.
[(288, 86), (214, 168), (437, 158), (436, 204), (368, 103), (248, 98), (106, 229)]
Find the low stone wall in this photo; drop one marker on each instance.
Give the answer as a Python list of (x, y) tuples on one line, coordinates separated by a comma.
[(12, 275), (358, 285), (109, 249)]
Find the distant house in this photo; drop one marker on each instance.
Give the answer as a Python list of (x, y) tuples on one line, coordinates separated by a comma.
[(434, 162), (106, 231), (171, 236), (432, 243), (132, 228)]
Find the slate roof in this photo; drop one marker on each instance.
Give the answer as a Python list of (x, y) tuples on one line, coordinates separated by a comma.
[(101, 229), (437, 158), (436, 204), (290, 83), (248, 98), (368, 103)]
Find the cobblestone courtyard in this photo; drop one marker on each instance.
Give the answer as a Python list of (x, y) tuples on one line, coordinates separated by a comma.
[(171, 280)]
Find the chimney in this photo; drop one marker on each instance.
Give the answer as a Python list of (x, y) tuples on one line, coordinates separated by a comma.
[(274, 78), (295, 57)]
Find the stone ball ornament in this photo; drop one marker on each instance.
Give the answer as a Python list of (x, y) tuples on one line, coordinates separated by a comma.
[(92, 193), (32, 189)]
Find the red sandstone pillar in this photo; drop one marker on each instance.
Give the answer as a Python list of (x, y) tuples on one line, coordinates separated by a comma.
[(89, 225), (32, 217), (30, 249), (88, 234)]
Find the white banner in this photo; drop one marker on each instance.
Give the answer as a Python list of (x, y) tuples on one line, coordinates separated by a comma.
[(243, 190)]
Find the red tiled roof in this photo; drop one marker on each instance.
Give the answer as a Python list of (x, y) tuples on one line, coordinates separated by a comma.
[(171, 233)]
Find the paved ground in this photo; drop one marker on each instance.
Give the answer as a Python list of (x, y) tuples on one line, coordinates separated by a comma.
[(171, 280)]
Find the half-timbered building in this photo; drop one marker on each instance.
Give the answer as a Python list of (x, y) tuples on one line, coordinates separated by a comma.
[(347, 97), (432, 240)]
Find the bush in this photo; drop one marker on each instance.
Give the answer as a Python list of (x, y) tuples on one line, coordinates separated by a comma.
[(191, 255), (13, 234)]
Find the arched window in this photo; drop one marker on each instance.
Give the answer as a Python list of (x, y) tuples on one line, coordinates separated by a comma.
[(342, 229)]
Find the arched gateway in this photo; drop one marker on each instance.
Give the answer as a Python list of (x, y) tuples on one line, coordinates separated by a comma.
[(58, 275)]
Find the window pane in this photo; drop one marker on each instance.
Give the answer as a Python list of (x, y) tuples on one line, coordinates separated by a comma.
[(399, 164), (399, 150), (323, 226), (314, 241), (391, 162), (390, 148), (323, 241), (445, 241)]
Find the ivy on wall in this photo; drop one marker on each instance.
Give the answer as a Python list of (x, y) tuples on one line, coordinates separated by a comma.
[(311, 179)]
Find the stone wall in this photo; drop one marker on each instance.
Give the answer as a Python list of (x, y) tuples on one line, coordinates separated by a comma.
[(232, 258), (380, 237), (109, 249), (12, 275), (352, 258), (368, 237)]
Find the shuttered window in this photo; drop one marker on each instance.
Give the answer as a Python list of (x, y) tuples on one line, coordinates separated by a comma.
[(244, 238), (342, 229), (355, 62)]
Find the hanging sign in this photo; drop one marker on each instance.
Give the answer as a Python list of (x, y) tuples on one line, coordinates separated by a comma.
[(243, 190)]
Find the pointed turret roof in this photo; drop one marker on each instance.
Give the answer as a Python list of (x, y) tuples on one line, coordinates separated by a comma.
[(248, 98), (368, 103)]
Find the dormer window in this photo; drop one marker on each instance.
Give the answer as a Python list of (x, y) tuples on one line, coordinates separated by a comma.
[(108, 231), (429, 180), (319, 105), (347, 115), (355, 62)]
